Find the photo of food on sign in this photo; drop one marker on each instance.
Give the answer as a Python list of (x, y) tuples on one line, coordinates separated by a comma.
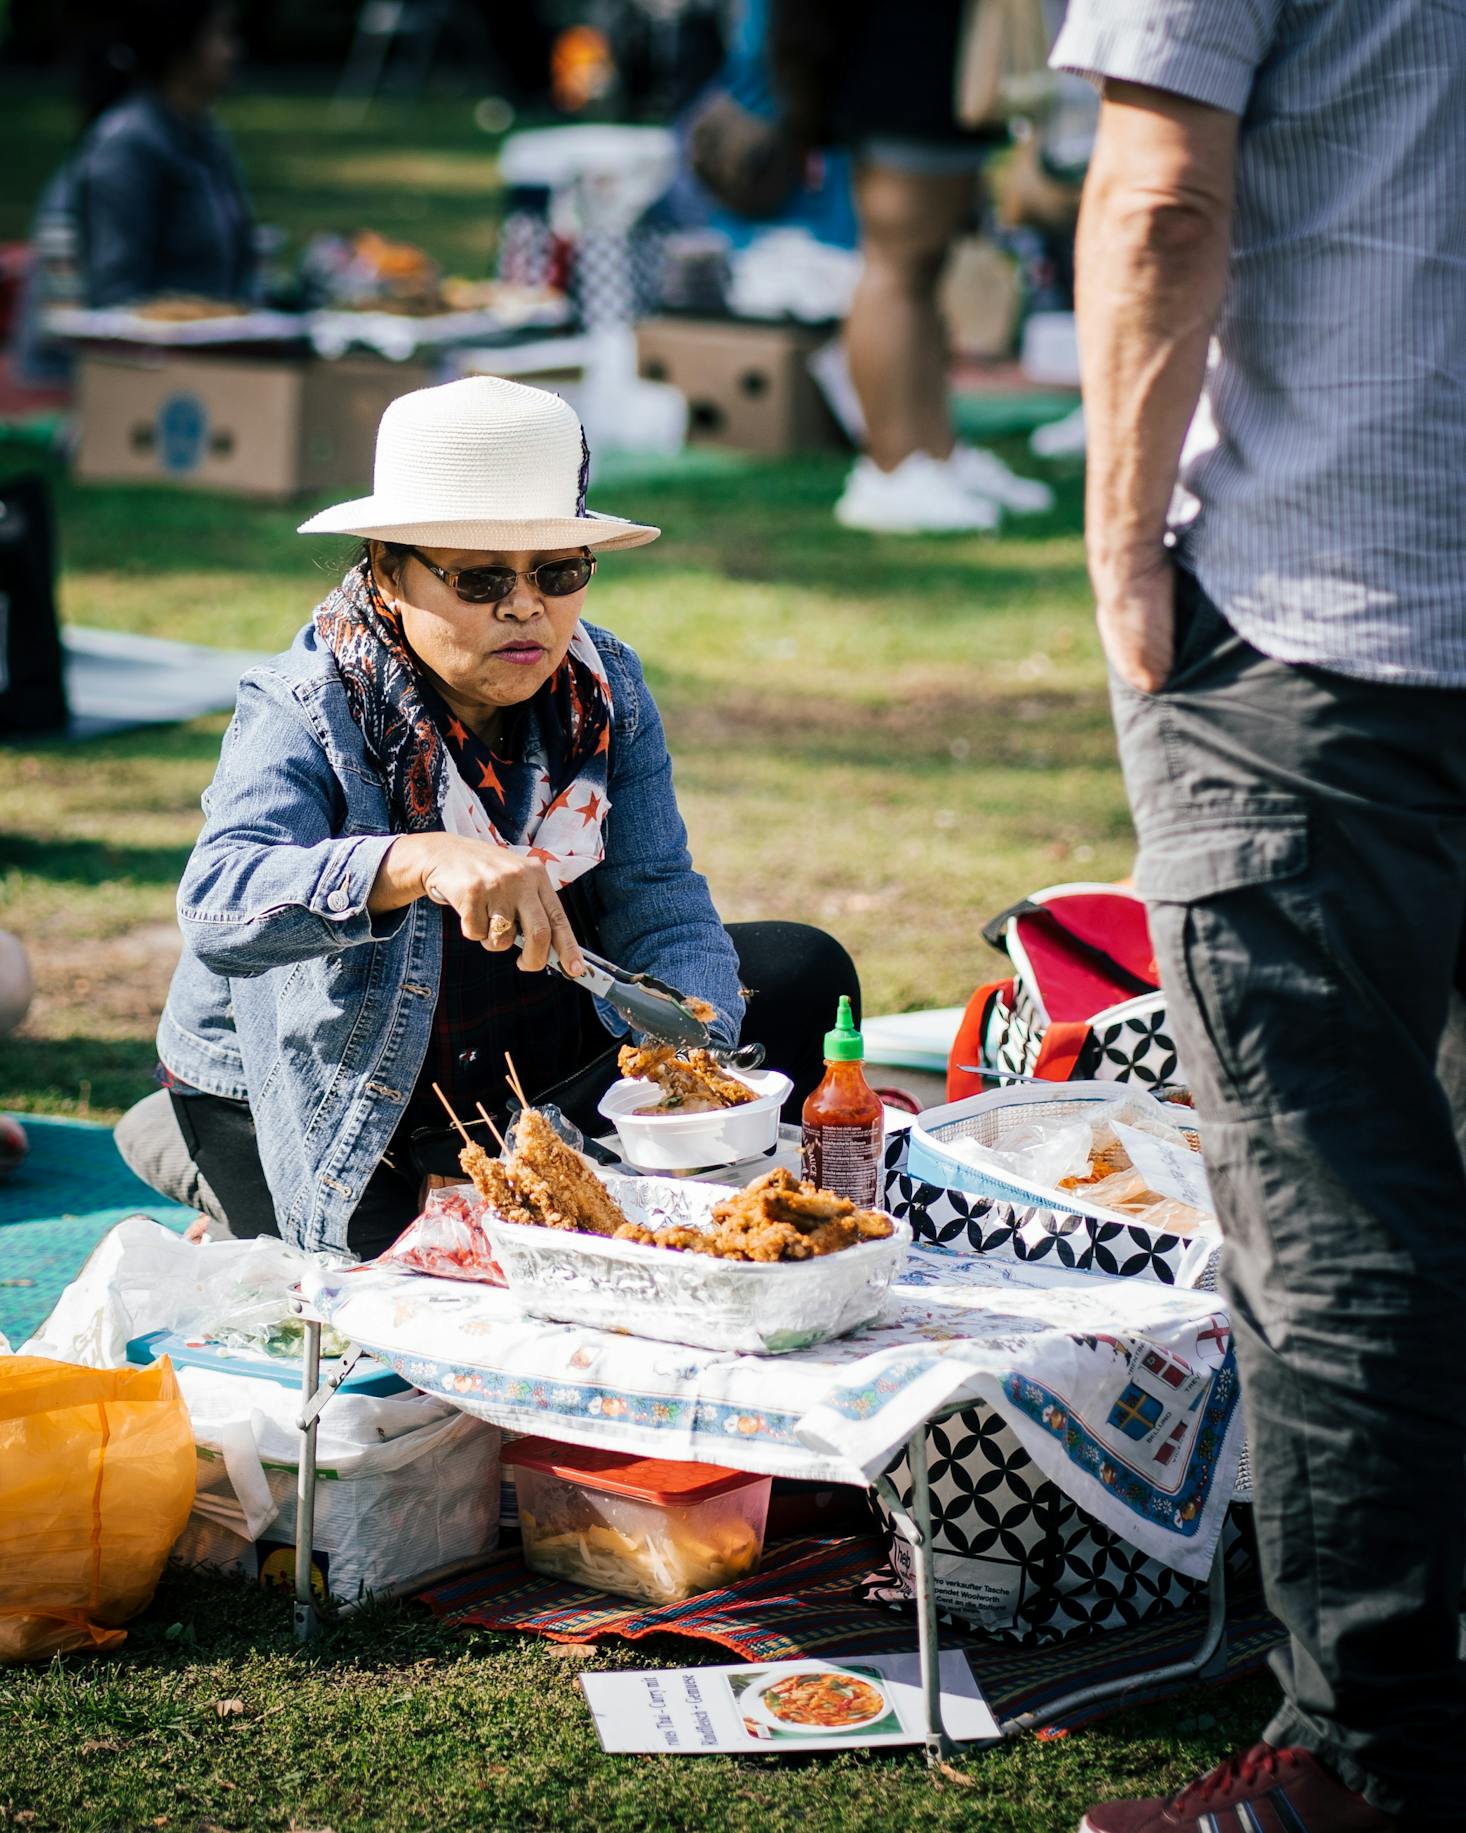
[(816, 1699)]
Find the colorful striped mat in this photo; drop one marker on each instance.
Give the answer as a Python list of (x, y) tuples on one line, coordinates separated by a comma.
[(806, 1600)]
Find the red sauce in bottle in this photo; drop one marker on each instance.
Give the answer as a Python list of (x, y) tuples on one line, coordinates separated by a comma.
[(844, 1122)]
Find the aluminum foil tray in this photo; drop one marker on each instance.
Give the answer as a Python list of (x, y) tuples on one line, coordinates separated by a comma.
[(761, 1308)]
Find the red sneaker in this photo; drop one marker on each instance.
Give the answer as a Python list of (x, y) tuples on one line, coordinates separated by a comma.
[(1263, 1791)]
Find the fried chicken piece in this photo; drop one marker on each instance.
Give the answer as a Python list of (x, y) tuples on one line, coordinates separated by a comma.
[(690, 1240), (778, 1196), (543, 1202), (500, 1193), (558, 1182), (807, 1207), (778, 1207), (492, 1181), (674, 1236), (830, 1237), (873, 1225), (770, 1241), (543, 1183), (481, 1170), (634, 1231), (685, 1077)]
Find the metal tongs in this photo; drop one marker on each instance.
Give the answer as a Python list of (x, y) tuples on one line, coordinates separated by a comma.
[(655, 1009)]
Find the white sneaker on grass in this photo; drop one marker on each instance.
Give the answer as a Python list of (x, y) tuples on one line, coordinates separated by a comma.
[(1060, 438), (921, 496), (984, 474)]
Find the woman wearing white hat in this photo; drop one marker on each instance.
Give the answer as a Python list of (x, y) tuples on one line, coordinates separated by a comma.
[(446, 731)]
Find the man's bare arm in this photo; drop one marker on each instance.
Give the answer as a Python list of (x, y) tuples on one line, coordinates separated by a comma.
[(1151, 266)]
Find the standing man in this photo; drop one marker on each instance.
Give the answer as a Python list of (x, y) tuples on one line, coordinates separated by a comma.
[(1289, 686)]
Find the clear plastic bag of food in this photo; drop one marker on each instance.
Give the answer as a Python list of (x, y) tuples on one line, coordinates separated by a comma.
[(1144, 1165), (448, 1239), (1129, 1194), (1041, 1151)]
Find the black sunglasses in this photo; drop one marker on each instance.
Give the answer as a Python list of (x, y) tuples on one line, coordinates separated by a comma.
[(488, 585)]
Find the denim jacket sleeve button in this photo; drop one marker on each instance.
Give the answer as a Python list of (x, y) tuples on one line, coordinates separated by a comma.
[(339, 898)]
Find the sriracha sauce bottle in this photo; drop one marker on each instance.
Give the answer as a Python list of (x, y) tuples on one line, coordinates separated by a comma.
[(844, 1122)]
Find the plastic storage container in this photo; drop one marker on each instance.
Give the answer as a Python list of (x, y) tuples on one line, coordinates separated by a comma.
[(368, 1377), (636, 1527), (695, 1142)]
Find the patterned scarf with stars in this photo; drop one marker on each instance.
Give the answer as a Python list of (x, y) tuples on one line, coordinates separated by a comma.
[(545, 796)]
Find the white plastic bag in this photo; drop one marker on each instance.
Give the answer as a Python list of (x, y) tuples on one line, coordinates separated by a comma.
[(142, 1277), (407, 1487)]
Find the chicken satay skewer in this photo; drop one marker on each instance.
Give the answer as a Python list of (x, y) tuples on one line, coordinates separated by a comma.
[(472, 1158), (516, 1086), (489, 1123), (462, 1130)]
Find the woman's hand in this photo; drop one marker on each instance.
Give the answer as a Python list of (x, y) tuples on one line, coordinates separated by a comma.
[(496, 892)]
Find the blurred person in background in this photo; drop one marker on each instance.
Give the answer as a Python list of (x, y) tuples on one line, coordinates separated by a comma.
[(896, 98), (150, 201), (157, 195), (889, 82)]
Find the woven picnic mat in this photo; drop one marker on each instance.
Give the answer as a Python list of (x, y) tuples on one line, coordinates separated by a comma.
[(807, 1600), (66, 1193)]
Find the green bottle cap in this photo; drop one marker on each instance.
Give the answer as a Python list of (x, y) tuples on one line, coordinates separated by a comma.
[(844, 1044)]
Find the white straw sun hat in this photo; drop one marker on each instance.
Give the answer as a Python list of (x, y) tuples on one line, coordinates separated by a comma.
[(482, 463)]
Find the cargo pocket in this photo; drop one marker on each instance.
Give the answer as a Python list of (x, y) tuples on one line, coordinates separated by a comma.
[(1243, 946)]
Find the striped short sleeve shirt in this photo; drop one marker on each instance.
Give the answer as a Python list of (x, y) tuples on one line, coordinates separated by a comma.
[(1332, 527)]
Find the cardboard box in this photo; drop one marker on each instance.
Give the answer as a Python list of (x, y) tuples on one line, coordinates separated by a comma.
[(267, 427), (747, 385)]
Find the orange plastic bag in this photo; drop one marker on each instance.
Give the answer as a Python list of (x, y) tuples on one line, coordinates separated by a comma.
[(96, 1481)]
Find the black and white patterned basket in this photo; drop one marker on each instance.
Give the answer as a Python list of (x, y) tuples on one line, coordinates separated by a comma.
[(1026, 1221), (617, 275), (1015, 1556)]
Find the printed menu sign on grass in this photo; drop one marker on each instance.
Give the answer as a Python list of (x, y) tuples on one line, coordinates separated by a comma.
[(782, 1706)]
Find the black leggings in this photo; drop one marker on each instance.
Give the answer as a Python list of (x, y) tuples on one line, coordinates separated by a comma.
[(794, 975)]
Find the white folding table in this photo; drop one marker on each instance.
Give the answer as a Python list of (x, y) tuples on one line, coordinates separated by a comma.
[(1037, 1343)]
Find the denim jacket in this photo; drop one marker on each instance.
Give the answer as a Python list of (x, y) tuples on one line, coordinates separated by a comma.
[(291, 996)]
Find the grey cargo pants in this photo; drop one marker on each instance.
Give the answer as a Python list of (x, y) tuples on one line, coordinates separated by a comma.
[(1303, 857)]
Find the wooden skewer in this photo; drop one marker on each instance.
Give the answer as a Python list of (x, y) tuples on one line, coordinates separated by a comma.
[(488, 1121), (463, 1130), (515, 1083)]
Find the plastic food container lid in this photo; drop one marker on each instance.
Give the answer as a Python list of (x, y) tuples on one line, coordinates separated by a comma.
[(284, 1371), (621, 1473)]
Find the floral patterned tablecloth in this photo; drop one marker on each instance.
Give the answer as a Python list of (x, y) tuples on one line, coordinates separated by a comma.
[(1124, 1392)]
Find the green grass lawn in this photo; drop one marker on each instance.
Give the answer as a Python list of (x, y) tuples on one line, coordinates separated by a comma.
[(393, 1723), (890, 738)]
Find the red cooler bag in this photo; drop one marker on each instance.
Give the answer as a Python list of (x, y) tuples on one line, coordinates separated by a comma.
[(1083, 1001)]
